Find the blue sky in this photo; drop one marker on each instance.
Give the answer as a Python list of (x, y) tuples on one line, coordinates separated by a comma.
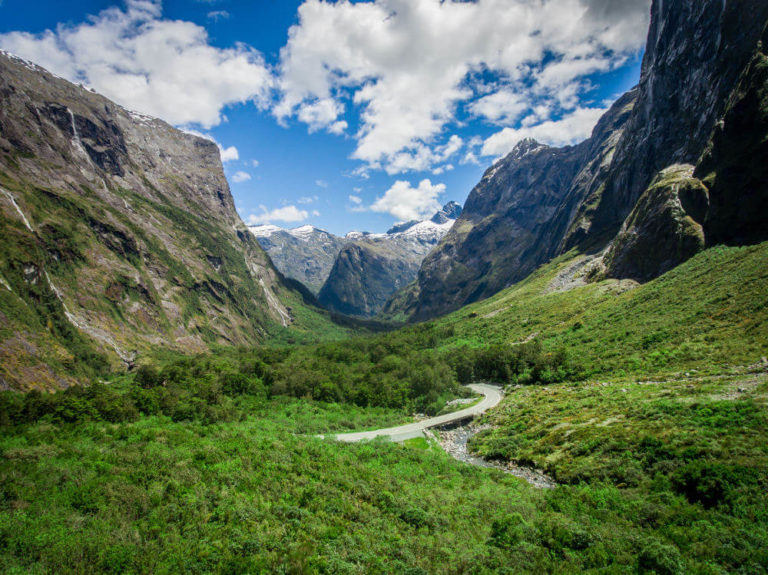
[(346, 115)]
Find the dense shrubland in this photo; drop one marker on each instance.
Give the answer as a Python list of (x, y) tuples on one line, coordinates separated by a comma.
[(648, 407), (399, 371)]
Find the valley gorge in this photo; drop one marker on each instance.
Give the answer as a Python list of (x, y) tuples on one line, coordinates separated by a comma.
[(568, 374), (355, 274)]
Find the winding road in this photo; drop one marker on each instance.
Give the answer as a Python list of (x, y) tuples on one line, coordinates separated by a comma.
[(409, 431)]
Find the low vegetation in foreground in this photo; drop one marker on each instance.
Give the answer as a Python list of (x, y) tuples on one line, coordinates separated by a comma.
[(648, 406)]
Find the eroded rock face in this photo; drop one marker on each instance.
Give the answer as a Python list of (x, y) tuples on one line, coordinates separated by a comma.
[(735, 164), (701, 102), (131, 227), (724, 199), (695, 53)]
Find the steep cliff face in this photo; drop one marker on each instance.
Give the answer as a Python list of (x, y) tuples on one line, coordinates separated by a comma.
[(514, 218), (371, 267), (305, 254), (734, 166), (118, 234), (666, 171), (695, 53)]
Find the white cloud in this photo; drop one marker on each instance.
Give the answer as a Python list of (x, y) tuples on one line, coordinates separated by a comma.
[(229, 154), (321, 183), (407, 65), (357, 200), (289, 214), (421, 157), (321, 115), (315, 213), (502, 106), (442, 169), (307, 199), (217, 15), (405, 202), (569, 130), (165, 68), (240, 177), (254, 163)]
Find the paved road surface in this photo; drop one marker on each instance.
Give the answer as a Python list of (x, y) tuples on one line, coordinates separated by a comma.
[(409, 431)]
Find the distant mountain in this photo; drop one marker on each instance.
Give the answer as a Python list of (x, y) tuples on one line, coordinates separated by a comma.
[(305, 254), (677, 164), (371, 267), (118, 235)]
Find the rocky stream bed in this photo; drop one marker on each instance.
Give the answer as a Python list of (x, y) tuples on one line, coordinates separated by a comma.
[(454, 442)]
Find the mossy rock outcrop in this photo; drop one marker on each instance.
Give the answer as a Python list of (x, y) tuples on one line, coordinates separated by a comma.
[(663, 229)]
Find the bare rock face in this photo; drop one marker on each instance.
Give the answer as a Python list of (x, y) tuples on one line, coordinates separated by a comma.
[(118, 234), (723, 199), (701, 102), (695, 53), (734, 166)]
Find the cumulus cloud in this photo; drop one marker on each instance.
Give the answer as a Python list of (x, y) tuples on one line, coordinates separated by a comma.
[(421, 156), (290, 214), (502, 106), (357, 200), (229, 154), (307, 199), (442, 169), (570, 129), (407, 66), (240, 177), (165, 68), (405, 202)]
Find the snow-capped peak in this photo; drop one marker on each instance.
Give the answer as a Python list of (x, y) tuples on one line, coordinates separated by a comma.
[(265, 230)]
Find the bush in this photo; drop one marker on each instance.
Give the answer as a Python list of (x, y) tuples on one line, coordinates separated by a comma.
[(659, 558), (509, 531), (147, 377), (707, 483)]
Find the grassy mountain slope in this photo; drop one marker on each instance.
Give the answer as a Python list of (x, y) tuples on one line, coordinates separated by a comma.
[(707, 312), (119, 236)]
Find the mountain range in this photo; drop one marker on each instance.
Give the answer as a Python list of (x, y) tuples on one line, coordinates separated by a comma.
[(355, 274), (120, 235)]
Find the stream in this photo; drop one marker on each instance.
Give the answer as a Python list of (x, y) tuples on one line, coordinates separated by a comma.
[(454, 442)]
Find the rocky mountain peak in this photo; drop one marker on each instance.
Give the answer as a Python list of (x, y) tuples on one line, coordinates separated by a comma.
[(525, 147), (449, 211)]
